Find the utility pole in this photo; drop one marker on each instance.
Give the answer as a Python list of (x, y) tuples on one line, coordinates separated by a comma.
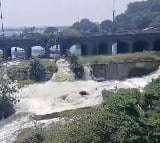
[(1, 18), (114, 11)]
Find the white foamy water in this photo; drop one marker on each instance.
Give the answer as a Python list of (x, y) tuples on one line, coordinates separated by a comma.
[(64, 72), (54, 96), (87, 73)]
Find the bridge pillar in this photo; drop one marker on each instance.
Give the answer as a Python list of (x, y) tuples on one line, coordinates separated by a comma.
[(95, 48), (150, 46), (110, 44), (28, 52), (62, 49), (7, 52), (90, 48), (47, 52), (109, 48), (130, 47)]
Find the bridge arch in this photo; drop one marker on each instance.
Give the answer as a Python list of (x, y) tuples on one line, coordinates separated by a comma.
[(122, 47), (156, 45), (103, 48), (5, 52), (76, 49), (37, 51), (140, 46), (17, 52), (84, 50), (54, 51), (21, 52)]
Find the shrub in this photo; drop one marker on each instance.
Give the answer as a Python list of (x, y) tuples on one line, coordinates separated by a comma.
[(136, 114), (37, 71), (30, 136), (18, 73)]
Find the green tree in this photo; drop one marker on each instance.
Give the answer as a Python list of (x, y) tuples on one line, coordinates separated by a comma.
[(85, 25), (106, 25), (140, 15), (37, 71), (71, 32)]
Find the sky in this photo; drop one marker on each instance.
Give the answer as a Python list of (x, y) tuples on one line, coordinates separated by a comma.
[(18, 13)]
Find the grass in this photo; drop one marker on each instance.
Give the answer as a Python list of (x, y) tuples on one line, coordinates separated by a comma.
[(22, 83), (120, 58), (60, 132), (50, 66)]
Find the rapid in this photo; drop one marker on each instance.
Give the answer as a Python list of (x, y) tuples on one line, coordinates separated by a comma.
[(59, 94)]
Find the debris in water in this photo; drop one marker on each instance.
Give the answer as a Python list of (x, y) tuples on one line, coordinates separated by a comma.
[(83, 93)]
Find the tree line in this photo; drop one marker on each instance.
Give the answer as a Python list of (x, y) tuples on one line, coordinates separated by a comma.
[(138, 15)]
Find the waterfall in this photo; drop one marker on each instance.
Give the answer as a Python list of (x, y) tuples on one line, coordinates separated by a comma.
[(87, 73), (64, 72)]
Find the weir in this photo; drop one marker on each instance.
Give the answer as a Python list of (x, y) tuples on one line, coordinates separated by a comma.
[(124, 70)]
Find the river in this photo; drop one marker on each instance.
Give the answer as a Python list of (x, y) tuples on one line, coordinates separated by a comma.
[(59, 94)]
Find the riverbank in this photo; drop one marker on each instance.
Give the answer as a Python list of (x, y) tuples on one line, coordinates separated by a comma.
[(120, 58), (127, 115)]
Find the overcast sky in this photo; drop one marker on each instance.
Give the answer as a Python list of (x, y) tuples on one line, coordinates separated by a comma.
[(57, 12)]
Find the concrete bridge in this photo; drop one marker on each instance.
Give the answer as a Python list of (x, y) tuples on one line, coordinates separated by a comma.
[(91, 45), (25, 43), (125, 43)]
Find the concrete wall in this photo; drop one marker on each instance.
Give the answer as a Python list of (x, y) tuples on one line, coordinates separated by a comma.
[(110, 71)]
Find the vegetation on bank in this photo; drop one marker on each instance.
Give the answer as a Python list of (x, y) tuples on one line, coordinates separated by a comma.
[(31, 72), (7, 101), (120, 58), (127, 116), (36, 71)]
